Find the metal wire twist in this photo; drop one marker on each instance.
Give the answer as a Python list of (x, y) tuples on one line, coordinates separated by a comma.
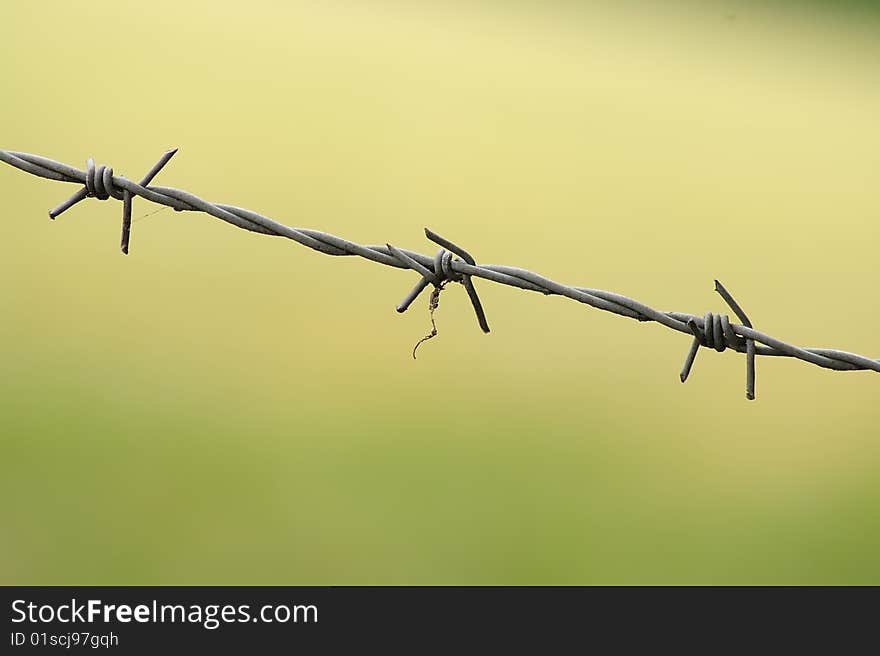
[(451, 264)]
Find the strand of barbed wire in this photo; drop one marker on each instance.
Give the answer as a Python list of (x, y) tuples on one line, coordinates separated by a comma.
[(451, 264)]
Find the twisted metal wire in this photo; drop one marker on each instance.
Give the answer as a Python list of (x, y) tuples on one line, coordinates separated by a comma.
[(451, 264)]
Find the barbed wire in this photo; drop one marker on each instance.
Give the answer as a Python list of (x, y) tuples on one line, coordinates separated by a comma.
[(451, 264)]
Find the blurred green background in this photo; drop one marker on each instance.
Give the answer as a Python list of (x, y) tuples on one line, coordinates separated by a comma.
[(223, 407)]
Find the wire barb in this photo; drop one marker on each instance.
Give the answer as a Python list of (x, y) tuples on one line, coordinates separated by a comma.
[(451, 264), (100, 184), (750, 343), (441, 272), (718, 333)]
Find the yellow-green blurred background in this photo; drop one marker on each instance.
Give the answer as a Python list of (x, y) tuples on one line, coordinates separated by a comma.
[(224, 407)]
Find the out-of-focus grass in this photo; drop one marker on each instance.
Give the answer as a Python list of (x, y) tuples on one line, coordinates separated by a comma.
[(221, 407), (110, 488)]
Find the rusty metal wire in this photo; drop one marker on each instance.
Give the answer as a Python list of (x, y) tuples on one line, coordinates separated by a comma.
[(451, 264)]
